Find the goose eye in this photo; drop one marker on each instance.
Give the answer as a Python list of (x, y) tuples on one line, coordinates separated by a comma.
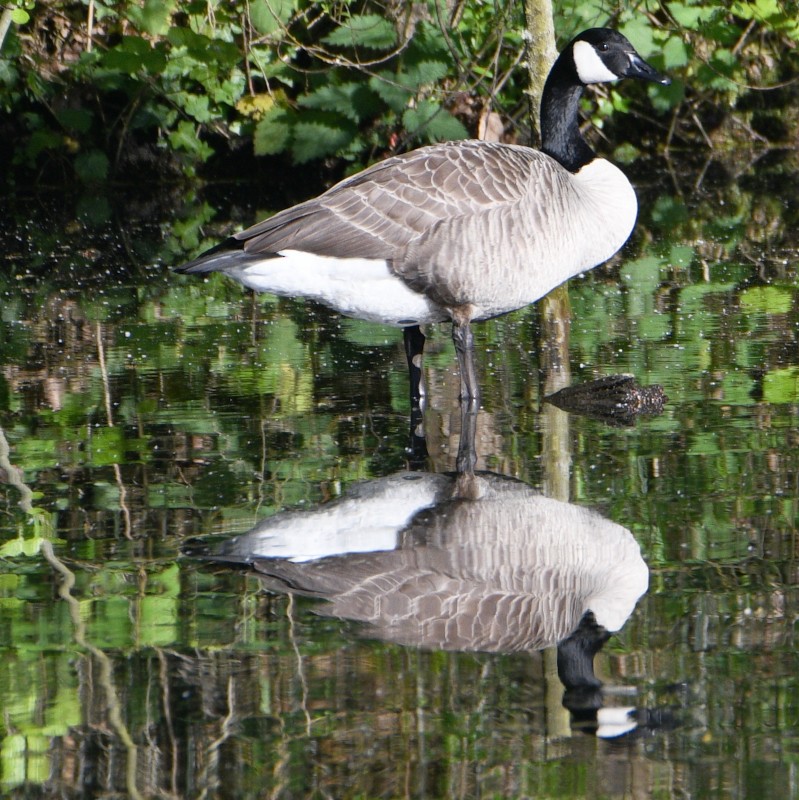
[(604, 47)]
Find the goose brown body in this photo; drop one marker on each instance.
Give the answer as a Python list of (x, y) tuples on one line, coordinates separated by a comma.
[(473, 223)]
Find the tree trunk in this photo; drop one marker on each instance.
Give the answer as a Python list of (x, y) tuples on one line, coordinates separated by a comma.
[(554, 308), (541, 54)]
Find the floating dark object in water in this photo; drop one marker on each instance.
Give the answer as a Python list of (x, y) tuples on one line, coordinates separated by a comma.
[(615, 399)]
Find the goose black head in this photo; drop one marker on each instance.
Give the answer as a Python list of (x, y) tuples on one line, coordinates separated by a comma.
[(601, 55)]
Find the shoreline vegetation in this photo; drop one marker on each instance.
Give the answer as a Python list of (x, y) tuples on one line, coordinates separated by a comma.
[(100, 93)]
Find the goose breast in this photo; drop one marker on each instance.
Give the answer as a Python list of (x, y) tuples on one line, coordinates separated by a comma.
[(505, 255)]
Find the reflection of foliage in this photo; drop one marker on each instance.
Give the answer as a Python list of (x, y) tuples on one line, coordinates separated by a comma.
[(109, 92), (207, 390), (145, 408)]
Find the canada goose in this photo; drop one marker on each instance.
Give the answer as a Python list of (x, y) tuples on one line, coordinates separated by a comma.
[(502, 570), (459, 231)]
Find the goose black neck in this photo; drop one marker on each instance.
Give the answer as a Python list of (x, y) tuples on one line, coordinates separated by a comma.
[(560, 116)]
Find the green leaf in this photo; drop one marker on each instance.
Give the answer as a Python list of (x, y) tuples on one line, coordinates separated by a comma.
[(92, 166), (229, 91), (641, 33), (194, 105), (681, 256), (766, 300), (207, 51), (93, 209), (12, 549), (669, 212), (77, 120), (618, 102), (364, 30), (722, 58), (184, 137), (157, 621), (691, 16), (268, 16), (434, 123), (397, 89), (273, 133), (626, 153), (133, 54), (428, 43), (20, 17), (394, 94), (322, 135), (423, 73), (643, 272), (353, 100), (107, 446), (664, 98), (781, 385), (154, 17), (760, 10), (675, 53)]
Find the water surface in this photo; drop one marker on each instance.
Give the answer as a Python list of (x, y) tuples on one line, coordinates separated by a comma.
[(145, 408)]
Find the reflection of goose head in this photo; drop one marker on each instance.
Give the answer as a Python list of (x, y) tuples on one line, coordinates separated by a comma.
[(504, 570)]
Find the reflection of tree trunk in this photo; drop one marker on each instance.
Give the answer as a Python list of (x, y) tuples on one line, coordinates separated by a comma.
[(558, 725), (554, 358)]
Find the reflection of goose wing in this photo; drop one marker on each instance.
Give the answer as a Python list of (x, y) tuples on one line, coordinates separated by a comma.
[(507, 571), (405, 602), (510, 571)]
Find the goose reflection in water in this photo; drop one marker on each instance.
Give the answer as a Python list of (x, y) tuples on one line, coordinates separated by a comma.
[(466, 562)]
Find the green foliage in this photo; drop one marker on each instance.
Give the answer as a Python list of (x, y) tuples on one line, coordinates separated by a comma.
[(432, 122), (19, 16), (340, 113), (363, 30), (271, 17), (163, 81)]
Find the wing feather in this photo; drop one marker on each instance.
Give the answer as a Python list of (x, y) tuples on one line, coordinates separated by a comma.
[(380, 211)]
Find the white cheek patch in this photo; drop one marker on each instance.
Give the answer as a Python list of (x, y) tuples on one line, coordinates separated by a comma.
[(590, 67)]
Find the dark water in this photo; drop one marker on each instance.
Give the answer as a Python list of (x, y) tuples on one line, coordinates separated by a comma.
[(144, 409)]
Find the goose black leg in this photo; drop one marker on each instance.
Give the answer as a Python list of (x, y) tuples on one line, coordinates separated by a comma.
[(463, 338), (417, 444), (413, 339), (468, 485), (467, 449)]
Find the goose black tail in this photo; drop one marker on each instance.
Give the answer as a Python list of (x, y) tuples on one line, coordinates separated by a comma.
[(225, 256)]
